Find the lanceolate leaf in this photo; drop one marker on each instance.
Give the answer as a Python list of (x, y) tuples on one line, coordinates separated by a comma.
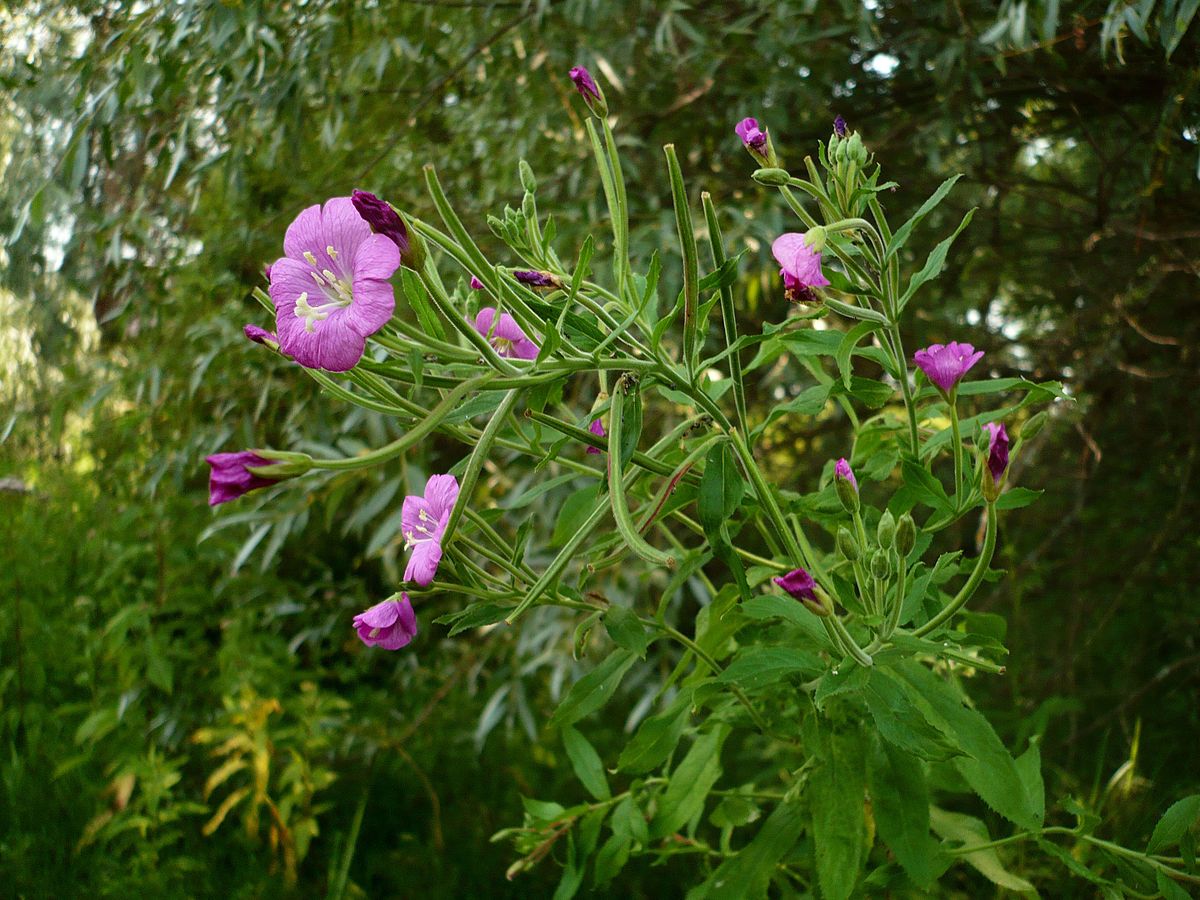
[(592, 691), (837, 789), (900, 802), (748, 874), (690, 783)]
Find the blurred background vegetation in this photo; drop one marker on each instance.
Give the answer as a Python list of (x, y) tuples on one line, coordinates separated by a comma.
[(184, 709)]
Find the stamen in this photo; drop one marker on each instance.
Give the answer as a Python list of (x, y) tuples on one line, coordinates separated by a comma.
[(318, 278), (312, 260), (333, 254)]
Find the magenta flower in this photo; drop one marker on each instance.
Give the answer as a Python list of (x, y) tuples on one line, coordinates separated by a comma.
[(946, 365), (505, 335), (533, 278), (753, 137), (596, 428), (800, 266), (476, 284), (586, 85), (382, 219), (843, 472), (267, 271), (423, 522), (231, 478), (799, 584), (997, 461), (331, 288), (391, 624), (839, 127)]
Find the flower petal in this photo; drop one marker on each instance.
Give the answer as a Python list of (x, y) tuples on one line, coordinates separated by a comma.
[(376, 257), (304, 234), (441, 493), (343, 229), (374, 303), (423, 564)]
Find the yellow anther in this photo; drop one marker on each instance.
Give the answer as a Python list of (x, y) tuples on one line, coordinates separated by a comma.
[(333, 254), (308, 256)]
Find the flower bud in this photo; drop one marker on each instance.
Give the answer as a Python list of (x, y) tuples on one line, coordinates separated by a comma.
[(528, 182), (846, 486), (839, 127), (536, 279), (906, 535), (881, 566), (773, 177), (1031, 428), (886, 532), (847, 544), (589, 91), (815, 238), (989, 485), (856, 152)]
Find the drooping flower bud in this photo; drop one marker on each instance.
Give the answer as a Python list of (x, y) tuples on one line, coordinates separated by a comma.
[(846, 485), (589, 91), (235, 474), (536, 279), (847, 544), (757, 142), (906, 535), (383, 219), (801, 586), (881, 566), (886, 532)]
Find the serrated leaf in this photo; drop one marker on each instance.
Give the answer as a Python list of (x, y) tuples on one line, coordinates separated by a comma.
[(1170, 829), (900, 803), (903, 717), (837, 787), (847, 345), (721, 490), (759, 666), (626, 629), (904, 232), (748, 873), (935, 261)]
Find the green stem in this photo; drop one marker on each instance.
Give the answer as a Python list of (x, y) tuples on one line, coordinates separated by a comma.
[(909, 403), (475, 463), (728, 313), (968, 589), (957, 440)]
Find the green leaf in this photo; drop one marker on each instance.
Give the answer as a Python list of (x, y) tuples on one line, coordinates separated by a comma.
[(775, 606), (969, 832), (988, 768), (690, 783), (721, 490), (656, 737), (414, 292), (748, 873), (937, 259), (901, 715), (846, 347), (1029, 768), (626, 629), (1017, 498), (925, 487), (900, 238), (900, 803), (758, 666), (1175, 821), (594, 689), (836, 787), (474, 616), (586, 763), (844, 679), (611, 859), (574, 512)]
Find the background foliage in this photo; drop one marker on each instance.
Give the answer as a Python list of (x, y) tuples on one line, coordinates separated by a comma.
[(156, 661)]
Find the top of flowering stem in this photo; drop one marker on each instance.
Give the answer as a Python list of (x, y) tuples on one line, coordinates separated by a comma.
[(476, 284), (382, 219), (331, 288), (589, 90), (946, 365), (839, 127), (997, 460), (799, 264), (753, 137), (843, 472), (799, 584), (423, 521), (504, 334), (230, 477), (391, 624), (596, 428)]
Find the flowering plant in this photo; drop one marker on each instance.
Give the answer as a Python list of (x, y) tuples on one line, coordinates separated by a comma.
[(806, 723)]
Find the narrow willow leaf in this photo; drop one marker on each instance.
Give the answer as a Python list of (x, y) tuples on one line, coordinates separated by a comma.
[(626, 630), (904, 232), (846, 347), (594, 689), (937, 259), (656, 737), (970, 832), (748, 873), (690, 783), (692, 340), (721, 490), (837, 789), (418, 299), (586, 763)]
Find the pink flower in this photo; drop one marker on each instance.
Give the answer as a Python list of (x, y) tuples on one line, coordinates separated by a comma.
[(231, 476), (476, 284), (997, 460), (423, 522), (800, 266), (331, 288), (753, 137), (843, 472), (946, 365), (589, 90), (596, 428), (799, 584), (391, 624), (505, 335)]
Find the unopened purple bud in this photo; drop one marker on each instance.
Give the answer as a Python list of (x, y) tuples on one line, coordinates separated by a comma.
[(476, 284), (260, 336), (537, 279), (596, 428), (998, 444), (846, 485), (589, 90), (799, 584), (839, 127), (382, 219)]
